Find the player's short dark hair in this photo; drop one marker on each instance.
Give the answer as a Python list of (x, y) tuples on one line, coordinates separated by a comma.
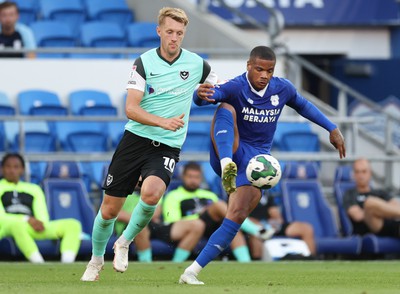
[(262, 52), (191, 165), (7, 4), (12, 155)]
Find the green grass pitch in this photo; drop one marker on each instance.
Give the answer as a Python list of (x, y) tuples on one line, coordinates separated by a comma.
[(220, 277)]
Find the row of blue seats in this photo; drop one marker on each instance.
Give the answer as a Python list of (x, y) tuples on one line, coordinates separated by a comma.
[(98, 34), (81, 102), (303, 200), (75, 12)]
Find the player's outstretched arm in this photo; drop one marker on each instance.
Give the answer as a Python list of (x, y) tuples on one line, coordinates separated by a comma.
[(203, 95), (337, 140)]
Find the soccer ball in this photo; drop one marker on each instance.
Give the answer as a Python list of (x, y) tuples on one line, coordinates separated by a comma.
[(263, 171)]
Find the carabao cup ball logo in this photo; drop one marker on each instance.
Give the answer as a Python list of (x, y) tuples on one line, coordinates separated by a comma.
[(263, 171)]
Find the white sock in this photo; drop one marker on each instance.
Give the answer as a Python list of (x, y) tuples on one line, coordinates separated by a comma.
[(123, 241), (194, 267), (36, 257), (68, 257), (224, 161), (97, 259)]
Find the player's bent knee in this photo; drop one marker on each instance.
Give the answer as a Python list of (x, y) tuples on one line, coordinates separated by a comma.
[(371, 202)]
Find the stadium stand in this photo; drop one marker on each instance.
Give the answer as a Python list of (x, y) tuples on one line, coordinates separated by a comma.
[(67, 197), (70, 11), (303, 200), (143, 34), (28, 10), (40, 102), (91, 102), (371, 243), (5, 105), (287, 127), (301, 141), (116, 11), (199, 133)]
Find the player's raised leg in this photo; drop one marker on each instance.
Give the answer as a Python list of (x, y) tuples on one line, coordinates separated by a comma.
[(241, 203), (225, 138), (152, 190), (102, 230)]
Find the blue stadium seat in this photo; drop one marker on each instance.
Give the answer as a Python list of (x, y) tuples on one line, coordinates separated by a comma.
[(36, 142), (198, 137), (95, 171), (116, 130), (3, 138), (64, 130), (36, 171), (102, 34), (285, 127), (40, 102), (5, 105), (68, 198), (28, 10), (91, 102), (51, 33), (371, 243), (300, 141), (143, 34), (88, 141), (116, 11), (71, 12), (303, 200)]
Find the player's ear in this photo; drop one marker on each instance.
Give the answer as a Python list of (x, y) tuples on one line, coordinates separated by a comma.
[(248, 65), (158, 29)]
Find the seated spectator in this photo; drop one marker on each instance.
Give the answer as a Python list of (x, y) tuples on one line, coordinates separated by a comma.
[(24, 215), (371, 210), (184, 216), (268, 213), (185, 234), (14, 35)]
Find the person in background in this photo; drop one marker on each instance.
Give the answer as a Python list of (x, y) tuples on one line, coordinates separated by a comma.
[(24, 215), (371, 210), (14, 35), (267, 211)]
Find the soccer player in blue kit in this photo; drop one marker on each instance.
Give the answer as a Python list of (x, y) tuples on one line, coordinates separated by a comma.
[(244, 126)]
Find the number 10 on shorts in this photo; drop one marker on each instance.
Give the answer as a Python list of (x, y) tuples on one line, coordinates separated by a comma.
[(169, 164)]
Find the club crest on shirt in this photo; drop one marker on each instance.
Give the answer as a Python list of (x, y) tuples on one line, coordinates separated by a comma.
[(109, 179), (184, 74), (275, 100)]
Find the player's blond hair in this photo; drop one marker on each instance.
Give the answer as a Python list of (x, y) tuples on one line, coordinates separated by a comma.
[(176, 14)]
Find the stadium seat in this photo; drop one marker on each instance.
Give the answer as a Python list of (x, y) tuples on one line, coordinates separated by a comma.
[(68, 198), (5, 105), (286, 127), (300, 141), (371, 243), (3, 138), (91, 102), (36, 142), (71, 12), (143, 34), (51, 33), (116, 11), (116, 130), (40, 102), (102, 34), (198, 137), (63, 130), (36, 171), (88, 142), (28, 10), (95, 171), (303, 200)]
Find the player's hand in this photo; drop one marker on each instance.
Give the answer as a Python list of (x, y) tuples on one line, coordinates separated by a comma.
[(174, 123), (36, 224), (205, 92), (337, 141)]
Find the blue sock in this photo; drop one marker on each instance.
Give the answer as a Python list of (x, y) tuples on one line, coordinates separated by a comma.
[(218, 241), (102, 231), (224, 133)]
